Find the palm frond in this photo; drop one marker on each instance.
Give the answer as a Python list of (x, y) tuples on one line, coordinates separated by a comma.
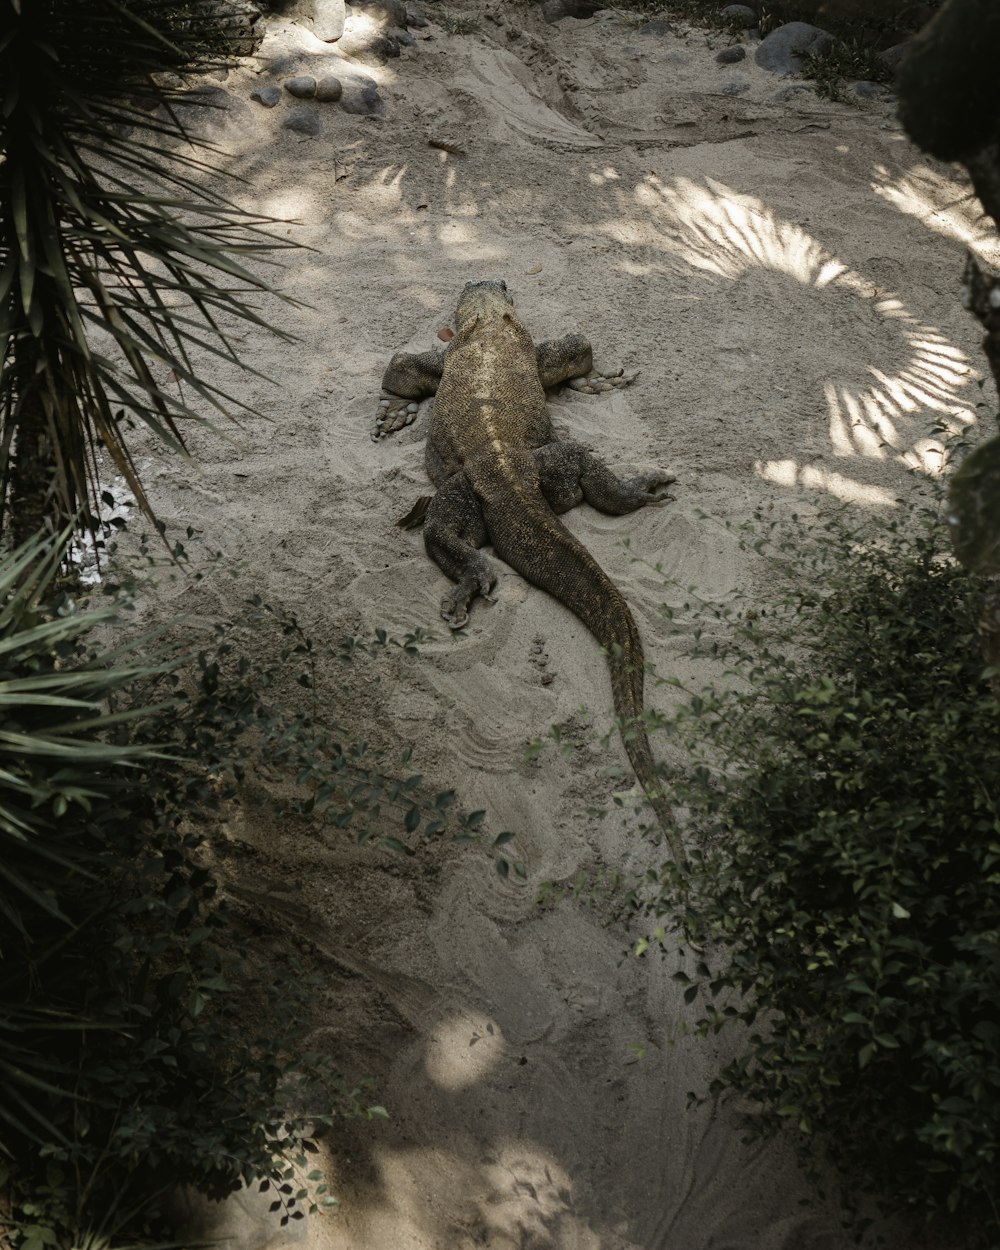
[(120, 257)]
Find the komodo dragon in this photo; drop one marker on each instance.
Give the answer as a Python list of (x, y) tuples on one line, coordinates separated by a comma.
[(502, 478)]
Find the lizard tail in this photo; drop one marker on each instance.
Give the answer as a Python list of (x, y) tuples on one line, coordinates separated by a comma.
[(529, 537)]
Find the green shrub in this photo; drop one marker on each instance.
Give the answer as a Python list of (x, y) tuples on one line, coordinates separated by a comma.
[(842, 803), (137, 1049), (845, 61)]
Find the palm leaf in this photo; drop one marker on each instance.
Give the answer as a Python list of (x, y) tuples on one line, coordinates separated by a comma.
[(97, 225)]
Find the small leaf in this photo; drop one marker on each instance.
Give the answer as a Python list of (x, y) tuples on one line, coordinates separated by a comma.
[(394, 844)]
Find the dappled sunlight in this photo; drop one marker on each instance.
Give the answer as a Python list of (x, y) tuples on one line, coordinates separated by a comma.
[(720, 232), (461, 1051), (290, 205), (931, 198), (518, 1195), (791, 473)]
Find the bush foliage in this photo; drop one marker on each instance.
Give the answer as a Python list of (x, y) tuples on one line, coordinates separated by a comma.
[(138, 1050), (843, 806)]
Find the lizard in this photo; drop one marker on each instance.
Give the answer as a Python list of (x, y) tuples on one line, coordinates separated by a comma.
[(503, 478)]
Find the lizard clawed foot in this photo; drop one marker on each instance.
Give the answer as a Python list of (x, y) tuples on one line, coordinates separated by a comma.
[(652, 487), (596, 382), (394, 413), (456, 603)]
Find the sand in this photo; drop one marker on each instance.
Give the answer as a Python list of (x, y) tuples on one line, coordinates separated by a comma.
[(784, 272)]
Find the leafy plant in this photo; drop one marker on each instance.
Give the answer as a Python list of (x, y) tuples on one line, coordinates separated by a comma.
[(119, 266), (842, 806), (844, 61), (138, 1048)]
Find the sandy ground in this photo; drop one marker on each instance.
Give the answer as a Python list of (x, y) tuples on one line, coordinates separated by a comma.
[(784, 272)]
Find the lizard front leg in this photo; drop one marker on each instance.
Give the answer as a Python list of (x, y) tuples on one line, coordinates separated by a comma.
[(453, 533), (408, 378), (571, 359)]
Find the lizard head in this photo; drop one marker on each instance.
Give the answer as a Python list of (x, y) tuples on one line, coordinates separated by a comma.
[(480, 300)]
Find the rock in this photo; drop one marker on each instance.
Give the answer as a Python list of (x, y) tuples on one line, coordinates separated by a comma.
[(736, 86), (328, 19), (302, 121), (866, 90), (415, 18), (361, 46), (302, 87), (168, 80), (386, 12), (892, 57), (362, 97), (556, 10), (657, 27), (784, 50), (738, 15), (329, 89), (677, 58), (206, 108), (403, 38), (729, 56), (268, 96)]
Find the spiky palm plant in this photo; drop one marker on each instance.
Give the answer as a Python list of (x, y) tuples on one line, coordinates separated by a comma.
[(119, 262), (63, 777)]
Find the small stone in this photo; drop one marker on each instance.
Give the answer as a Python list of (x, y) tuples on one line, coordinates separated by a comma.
[(415, 18), (866, 90), (556, 10), (302, 121), (738, 15), (412, 407), (328, 19), (364, 99), (784, 50), (268, 96), (329, 89), (168, 80), (404, 38), (657, 27), (729, 56), (302, 87), (677, 58), (736, 86), (547, 679)]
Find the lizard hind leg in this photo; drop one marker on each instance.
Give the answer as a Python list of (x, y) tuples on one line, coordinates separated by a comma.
[(569, 473), (454, 531)]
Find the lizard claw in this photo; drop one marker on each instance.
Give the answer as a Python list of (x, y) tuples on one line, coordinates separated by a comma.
[(651, 487), (456, 603), (394, 413), (454, 617), (596, 382)]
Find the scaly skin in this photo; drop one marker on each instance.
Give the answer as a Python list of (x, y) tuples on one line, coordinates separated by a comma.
[(502, 478)]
